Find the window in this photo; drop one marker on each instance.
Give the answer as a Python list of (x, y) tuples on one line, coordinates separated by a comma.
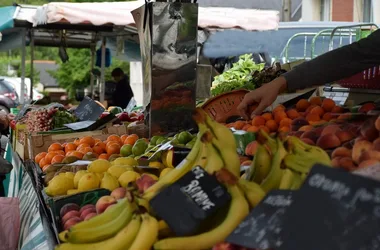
[(367, 11), (325, 10)]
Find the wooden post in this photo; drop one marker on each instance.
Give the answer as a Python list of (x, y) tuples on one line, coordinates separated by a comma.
[(286, 10)]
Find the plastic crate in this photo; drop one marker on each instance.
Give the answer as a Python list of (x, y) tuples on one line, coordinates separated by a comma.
[(368, 79)]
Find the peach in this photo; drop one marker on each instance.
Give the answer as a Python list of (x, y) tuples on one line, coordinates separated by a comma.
[(368, 130), (376, 144), (368, 163), (358, 148), (349, 144), (310, 135), (87, 212), (119, 193), (341, 152), (328, 141), (318, 131), (246, 163), (90, 215), (67, 208), (344, 136), (104, 202), (347, 163), (330, 129), (369, 155), (306, 128), (367, 107), (69, 215), (308, 141), (251, 148), (71, 222), (300, 122), (86, 206), (377, 123), (335, 162)]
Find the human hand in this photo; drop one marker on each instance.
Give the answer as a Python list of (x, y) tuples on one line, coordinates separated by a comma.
[(263, 96)]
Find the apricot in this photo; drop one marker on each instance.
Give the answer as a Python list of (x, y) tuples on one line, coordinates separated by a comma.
[(317, 111), (286, 122), (267, 116), (328, 141), (292, 113), (279, 107), (335, 162), (328, 116), (264, 128), (337, 110), (307, 111), (330, 129), (258, 121), (316, 100), (246, 127), (313, 118), (253, 129), (328, 104), (284, 129), (272, 125), (344, 136), (279, 115), (347, 163), (302, 105), (341, 152), (359, 147), (239, 124)]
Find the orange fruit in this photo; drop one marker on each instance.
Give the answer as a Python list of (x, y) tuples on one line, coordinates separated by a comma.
[(85, 150), (318, 111), (77, 154), (240, 124), (112, 143), (82, 145), (131, 139), (98, 149), (103, 156), (267, 116), (70, 146), (68, 152), (313, 118), (328, 104), (57, 159), (113, 149), (77, 141), (292, 114), (258, 121), (43, 162), (316, 100), (101, 144), (39, 157), (279, 107), (114, 138), (279, 115), (87, 140), (54, 147), (302, 105), (272, 125), (285, 122), (97, 140), (49, 157), (123, 137), (58, 152), (253, 129)]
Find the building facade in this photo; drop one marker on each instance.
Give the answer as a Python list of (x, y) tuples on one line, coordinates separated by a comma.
[(341, 10)]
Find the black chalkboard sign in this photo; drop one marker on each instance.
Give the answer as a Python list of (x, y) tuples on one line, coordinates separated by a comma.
[(179, 154), (88, 110), (333, 210), (261, 228), (189, 202)]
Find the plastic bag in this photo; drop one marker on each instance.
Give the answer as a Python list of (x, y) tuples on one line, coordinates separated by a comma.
[(9, 223)]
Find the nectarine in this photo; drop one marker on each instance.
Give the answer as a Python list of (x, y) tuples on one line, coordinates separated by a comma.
[(328, 141), (71, 222), (67, 208), (368, 130), (368, 163), (104, 202), (119, 193), (69, 215), (341, 152), (330, 129), (358, 148)]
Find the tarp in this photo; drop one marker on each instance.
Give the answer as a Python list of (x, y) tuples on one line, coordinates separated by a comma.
[(119, 13), (6, 17)]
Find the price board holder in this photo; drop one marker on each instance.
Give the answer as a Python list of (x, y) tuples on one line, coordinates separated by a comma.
[(187, 204), (88, 110), (334, 209), (261, 228), (179, 154)]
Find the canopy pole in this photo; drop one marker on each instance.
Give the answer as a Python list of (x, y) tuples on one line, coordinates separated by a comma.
[(31, 64), (102, 73), (23, 55), (92, 75)]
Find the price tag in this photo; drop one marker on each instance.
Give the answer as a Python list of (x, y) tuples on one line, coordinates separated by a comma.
[(88, 110), (261, 228), (334, 209), (179, 154), (187, 204)]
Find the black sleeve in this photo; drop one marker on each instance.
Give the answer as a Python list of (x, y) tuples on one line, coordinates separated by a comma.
[(336, 64)]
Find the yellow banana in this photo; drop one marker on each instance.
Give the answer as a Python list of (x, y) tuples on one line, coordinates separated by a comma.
[(163, 229), (214, 161), (102, 231), (121, 241), (287, 180), (238, 210), (147, 234), (272, 181), (297, 182), (252, 191), (261, 165), (230, 157), (144, 203)]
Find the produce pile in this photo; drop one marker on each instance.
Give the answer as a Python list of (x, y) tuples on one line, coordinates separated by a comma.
[(244, 74), (125, 220)]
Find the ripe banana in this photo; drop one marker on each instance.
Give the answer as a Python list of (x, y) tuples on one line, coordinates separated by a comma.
[(163, 229), (230, 157), (102, 231), (238, 210), (252, 192), (143, 203), (297, 182), (287, 180), (214, 161), (272, 181), (178, 172), (121, 241), (261, 165), (147, 234)]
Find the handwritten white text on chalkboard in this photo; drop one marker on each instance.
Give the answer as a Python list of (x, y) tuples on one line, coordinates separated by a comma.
[(278, 201), (194, 190), (337, 188)]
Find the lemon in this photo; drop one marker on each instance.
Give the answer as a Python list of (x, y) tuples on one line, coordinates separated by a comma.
[(77, 177), (128, 177), (59, 185), (167, 158), (88, 181), (156, 164), (109, 182), (165, 171), (100, 176), (72, 191), (70, 175), (99, 166), (117, 170), (127, 161)]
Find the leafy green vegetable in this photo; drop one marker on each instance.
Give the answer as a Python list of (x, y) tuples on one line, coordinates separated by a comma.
[(238, 77)]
